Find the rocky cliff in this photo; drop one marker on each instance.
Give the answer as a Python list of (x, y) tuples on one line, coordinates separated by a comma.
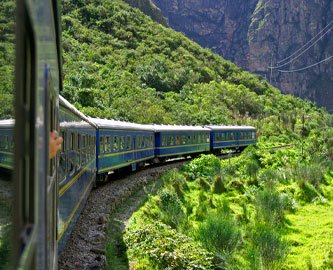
[(257, 34)]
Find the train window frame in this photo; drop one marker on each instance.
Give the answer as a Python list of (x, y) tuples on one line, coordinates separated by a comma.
[(107, 144), (152, 141), (203, 139), (5, 143), (115, 143), (63, 156), (189, 139), (177, 140), (128, 142), (164, 140), (12, 145), (143, 141), (228, 136), (138, 141), (79, 150), (122, 143), (147, 141), (183, 139), (199, 139), (71, 151), (101, 144), (232, 136), (217, 136), (94, 144), (194, 139), (241, 135), (171, 140)]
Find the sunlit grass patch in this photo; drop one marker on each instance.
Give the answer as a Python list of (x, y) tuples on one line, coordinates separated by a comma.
[(311, 236)]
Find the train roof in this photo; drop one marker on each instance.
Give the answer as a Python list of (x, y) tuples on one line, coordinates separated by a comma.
[(7, 123), (115, 124), (178, 128), (71, 107), (236, 128)]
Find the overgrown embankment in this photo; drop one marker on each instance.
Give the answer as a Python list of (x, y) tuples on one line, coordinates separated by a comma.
[(266, 209)]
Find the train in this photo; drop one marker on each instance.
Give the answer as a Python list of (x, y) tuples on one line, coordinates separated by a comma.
[(49, 194), (93, 148)]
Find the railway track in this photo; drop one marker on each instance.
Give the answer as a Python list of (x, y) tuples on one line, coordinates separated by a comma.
[(86, 247)]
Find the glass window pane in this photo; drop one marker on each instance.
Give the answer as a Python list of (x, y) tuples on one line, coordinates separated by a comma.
[(115, 143), (164, 140), (128, 142), (171, 140), (101, 144), (177, 140), (122, 142), (183, 139)]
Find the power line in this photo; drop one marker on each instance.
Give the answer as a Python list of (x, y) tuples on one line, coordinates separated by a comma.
[(305, 44), (295, 70), (303, 51)]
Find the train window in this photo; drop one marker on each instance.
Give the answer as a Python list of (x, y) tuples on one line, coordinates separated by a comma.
[(147, 141), (222, 136), (128, 142), (241, 135), (5, 142), (151, 140), (143, 142), (101, 144), (72, 154), (199, 138), (139, 141), (115, 143), (245, 135), (122, 142), (177, 140), (164, 140), (171, 140), (78, 154), (203, 139), (183, 139), (62, 158), (94, 144), (107, 144), (217, 136), (1, 139), (189, 139), (12, 143), (253, 135), (228, 136), (232, 136), (208, 138), (194, 139)]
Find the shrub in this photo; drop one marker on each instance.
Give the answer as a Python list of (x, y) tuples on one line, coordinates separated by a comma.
[(166, 248), (218, 185), (270, 206), (252, 171), (312, 173), (268, 177), (172, 212), (271, 248), (308, 191), (219, 234), (176, 180), (206, 166), (204, 184)]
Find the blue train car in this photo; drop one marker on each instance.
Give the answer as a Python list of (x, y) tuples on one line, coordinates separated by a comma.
[(231, 137), (175, 141), (7, 143), (122, 144), (77, 167)]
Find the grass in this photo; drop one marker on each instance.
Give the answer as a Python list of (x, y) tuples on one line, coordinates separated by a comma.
[(311, 235)]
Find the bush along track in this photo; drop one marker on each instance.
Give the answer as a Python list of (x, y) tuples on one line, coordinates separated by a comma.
[(265, 209)]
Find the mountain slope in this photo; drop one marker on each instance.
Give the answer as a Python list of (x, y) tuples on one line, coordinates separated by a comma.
[(256, 34), (118, 63)]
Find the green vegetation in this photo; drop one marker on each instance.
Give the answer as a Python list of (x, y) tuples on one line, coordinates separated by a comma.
[(118, 63), (266, 209), (7, 58)]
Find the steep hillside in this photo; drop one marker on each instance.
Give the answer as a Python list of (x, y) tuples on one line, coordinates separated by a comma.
[(256, 34), (118, 63)]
